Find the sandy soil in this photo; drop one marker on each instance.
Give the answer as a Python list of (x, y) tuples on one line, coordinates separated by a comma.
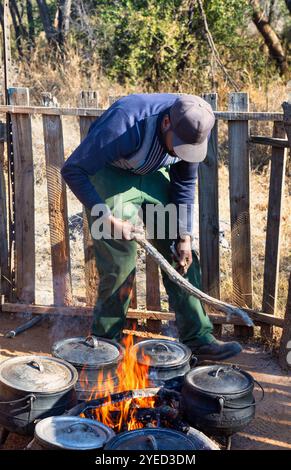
[(271, 428)]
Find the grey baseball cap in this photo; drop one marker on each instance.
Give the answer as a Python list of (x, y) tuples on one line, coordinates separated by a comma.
[(191, 119)]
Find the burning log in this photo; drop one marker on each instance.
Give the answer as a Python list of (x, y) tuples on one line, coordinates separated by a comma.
[(168, 394), (161, 412)]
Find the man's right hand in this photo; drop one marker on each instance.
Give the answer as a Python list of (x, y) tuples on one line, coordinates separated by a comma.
[(123, 229)]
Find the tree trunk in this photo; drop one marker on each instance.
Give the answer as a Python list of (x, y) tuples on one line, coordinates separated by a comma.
[(64, 13), (16, 26), (288, 5), (50, 32), (272, 41), (30, 21)]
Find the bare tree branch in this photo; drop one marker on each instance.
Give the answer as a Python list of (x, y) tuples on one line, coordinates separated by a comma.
[(270, 37), (213, 46)]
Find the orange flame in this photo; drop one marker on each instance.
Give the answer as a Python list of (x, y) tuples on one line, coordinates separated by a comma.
[(131, 376)]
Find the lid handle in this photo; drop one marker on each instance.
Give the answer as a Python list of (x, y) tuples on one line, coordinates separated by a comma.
[(37, 364), (161, 346), (92, 341), (82, 426), (220, 369), (221, 407), (152, 442)]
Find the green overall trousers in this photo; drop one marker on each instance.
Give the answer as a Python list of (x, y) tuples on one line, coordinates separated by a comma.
[(116, 260)]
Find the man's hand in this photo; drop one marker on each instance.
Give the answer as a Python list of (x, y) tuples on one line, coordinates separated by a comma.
[(184, 251), (122, 229)]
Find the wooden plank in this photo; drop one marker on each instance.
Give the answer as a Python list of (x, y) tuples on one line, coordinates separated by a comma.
[(208, 212), (24, 198), (271, 141), (88, 98), (287, 120), (6, 21), (239, 181), (51, 111), (4, 255), (285, 343), (258, 317), (146, 335), (58, 213), (3, 132), (272, 250), (153, 301), (153, 298), (133, 301), (223, 115)]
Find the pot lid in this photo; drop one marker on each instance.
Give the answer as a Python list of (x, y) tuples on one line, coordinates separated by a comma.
[(219, 379), (90, 352), (72, 432), (39, 374), (162, 353), (151, 439)]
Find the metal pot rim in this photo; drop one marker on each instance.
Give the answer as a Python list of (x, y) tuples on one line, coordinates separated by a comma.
[(85, 366), (122, 437), (182, 363), (213, 393), (93, 423), (14, 387)]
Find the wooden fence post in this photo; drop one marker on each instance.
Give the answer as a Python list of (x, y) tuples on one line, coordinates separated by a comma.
[(24, 198), (285, 344), (58, 213), (239, 181), (4, 257), (88, 99), (209, 214), (153, 297), (272, 250)]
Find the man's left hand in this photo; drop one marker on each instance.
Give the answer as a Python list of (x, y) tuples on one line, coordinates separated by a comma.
[(184, 250)]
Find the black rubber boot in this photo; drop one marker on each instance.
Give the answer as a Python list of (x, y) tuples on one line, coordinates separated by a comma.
[(216, 351)]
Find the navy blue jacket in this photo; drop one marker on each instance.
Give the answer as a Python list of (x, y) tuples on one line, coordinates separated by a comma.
[(116, 137)]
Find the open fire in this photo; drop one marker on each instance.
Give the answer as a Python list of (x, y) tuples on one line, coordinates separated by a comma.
[(127, 414)]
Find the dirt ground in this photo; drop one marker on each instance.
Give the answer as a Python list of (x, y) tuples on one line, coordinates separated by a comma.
[(271, 428)]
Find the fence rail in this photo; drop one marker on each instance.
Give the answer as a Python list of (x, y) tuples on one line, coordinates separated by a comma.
[(223, 115), (238, 117)]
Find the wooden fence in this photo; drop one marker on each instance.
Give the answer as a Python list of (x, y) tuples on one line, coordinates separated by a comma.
[(18, 255)]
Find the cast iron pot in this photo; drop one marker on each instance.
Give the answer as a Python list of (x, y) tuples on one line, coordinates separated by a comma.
[(32, 388), (166, 359), (154, 439), (93, 357), (70, 433), (219, 399)]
